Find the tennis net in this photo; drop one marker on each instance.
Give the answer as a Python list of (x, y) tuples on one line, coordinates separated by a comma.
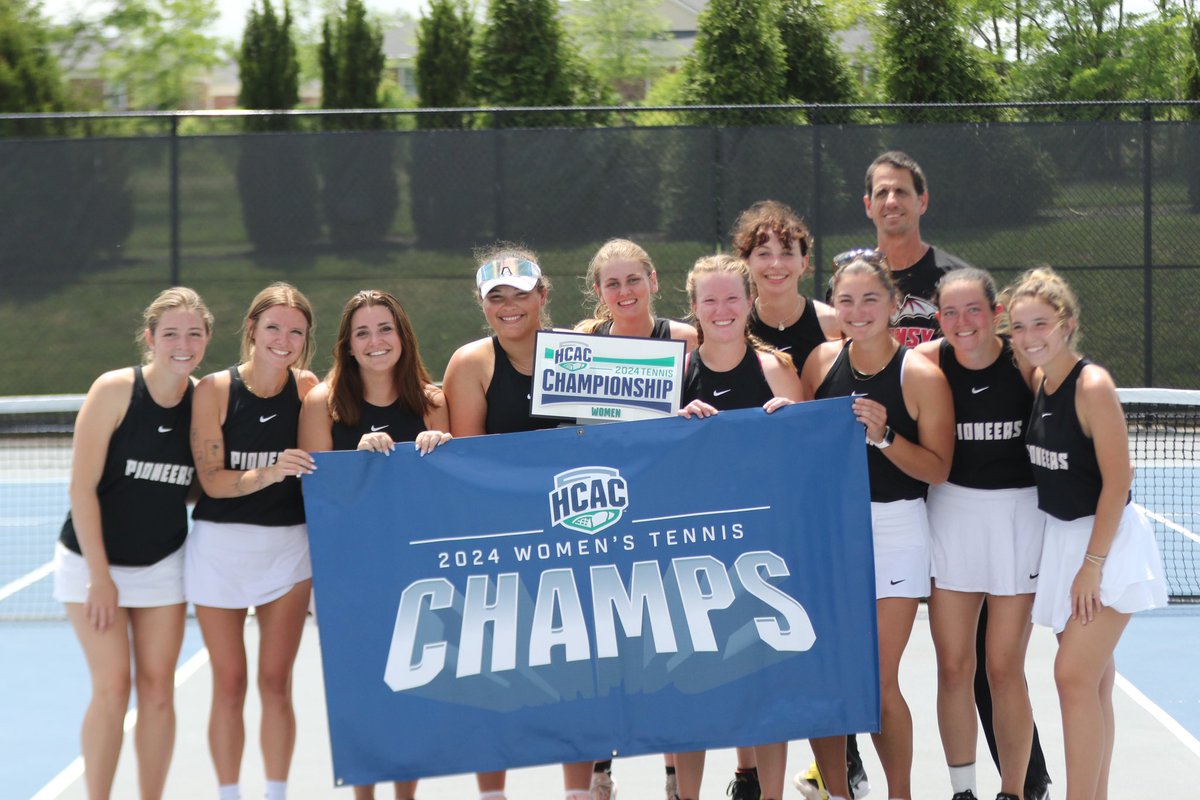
[(35, 461)]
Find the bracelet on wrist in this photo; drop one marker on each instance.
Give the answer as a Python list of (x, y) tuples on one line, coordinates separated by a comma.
[(1094, 559)]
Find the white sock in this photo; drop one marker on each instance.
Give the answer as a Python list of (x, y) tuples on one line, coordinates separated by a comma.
[(579, 794), (491, 795), (276, 790), (230, 791), (962, 778)]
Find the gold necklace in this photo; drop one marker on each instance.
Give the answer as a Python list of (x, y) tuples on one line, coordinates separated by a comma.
[(783, 322), (863, 376)]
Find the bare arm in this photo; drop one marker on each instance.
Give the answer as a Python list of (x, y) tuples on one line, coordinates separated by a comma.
[(927, 396), (102, 411), (209, 404), (1101, 417), (316, 425), (817, 366), (784, 382), (686, 333), (465, 385), (828, 319)]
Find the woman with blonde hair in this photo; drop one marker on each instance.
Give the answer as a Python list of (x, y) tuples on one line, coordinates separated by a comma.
[(623, 281), (1100, 562), (118, 566), (731, 369), (249, 545)]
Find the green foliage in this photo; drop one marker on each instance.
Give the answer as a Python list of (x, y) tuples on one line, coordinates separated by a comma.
[(352, 62), (29, 74), (1098, 51), (739, 56), (1193, 93), (615, 37), (267, 64), (158, 50), (926, 58), (816, 69), (276, 178), (444, 62), (526, 58), (360, 188)]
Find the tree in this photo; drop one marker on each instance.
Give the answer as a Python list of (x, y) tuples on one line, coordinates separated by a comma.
[(360, 187), (442, 218), (277, 182), (739, 56), (615, 37), (527, 59), (444, 61), (816, 70), (927, 59), (29, 76), (157, 50)]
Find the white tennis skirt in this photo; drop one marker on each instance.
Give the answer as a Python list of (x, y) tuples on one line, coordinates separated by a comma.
[(233, 565), (986, 540), (157, 584), (1131, 580), (901, 534)]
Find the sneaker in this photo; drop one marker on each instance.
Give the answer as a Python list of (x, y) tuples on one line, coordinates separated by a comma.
[(743, 787), (857, 776), (967, 795), (1006, 796), (1041, 792), (603, 786), (809, 783), (672, 787)]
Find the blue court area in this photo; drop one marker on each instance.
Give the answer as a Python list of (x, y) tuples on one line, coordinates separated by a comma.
[(44, 684), (44, 690)]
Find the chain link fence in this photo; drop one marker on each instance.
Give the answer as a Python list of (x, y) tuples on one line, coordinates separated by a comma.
[(99, 212)]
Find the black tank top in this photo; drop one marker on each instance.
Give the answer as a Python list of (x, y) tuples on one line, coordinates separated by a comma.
[(143, 488), (888, 482), (797, 340), (991, 410), (396, 420), (1064, 459), (744, 386), (508, 398), (256, 431), (661, 330)]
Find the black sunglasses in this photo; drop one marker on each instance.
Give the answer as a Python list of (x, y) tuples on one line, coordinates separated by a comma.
[(867, 254)]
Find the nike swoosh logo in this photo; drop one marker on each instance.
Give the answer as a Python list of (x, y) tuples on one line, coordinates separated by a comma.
[(374, 429), (975, 390), (267, 419), (784, 348), (161, 429), (858, 394), (1048, 413), (1034, 575), (721, 392), (902, 580)]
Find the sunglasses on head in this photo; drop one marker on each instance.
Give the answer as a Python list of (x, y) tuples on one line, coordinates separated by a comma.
[(507, 267), (867, 254)]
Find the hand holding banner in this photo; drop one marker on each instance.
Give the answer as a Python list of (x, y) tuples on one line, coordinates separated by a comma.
[(561, 595)]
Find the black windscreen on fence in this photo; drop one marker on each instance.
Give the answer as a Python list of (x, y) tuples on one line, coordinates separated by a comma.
[(91, 228)]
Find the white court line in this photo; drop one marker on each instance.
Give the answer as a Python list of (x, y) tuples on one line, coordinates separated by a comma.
[(28, 579), (63, 780), (705, 513), (1181, 733), (1173, 526)]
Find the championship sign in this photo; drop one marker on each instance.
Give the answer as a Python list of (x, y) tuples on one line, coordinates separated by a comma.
[(588, 377), (561, 595)]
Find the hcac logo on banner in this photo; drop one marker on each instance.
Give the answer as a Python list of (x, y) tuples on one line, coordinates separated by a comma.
[(588, 499), (590, 378)]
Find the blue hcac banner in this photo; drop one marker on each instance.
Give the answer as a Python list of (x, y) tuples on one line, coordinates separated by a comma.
[(563, 595)]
